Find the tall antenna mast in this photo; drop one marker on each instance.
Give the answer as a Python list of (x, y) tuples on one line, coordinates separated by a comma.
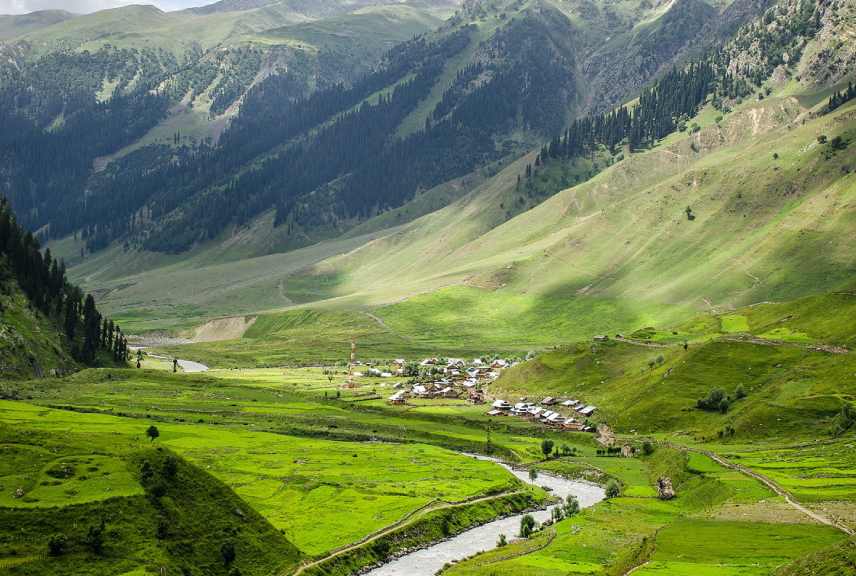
[(351, 365)]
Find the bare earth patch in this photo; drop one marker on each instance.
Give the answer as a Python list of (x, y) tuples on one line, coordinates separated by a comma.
[(770, 512)]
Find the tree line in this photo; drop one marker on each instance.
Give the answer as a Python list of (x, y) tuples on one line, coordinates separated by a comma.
[(43, 280), (679, 93), (841, 97)]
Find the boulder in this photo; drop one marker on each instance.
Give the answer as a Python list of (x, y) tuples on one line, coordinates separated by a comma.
[(664, 488), (19, 493)]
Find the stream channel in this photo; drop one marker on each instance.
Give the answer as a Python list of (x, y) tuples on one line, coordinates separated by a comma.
[(427, 561)]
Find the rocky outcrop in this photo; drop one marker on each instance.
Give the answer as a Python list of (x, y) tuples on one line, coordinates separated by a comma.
[(664, 488)]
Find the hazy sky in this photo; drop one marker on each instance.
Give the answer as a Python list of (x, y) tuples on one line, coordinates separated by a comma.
[(86, 6)]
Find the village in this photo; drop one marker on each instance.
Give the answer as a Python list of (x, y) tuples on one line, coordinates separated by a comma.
[(455, 378)]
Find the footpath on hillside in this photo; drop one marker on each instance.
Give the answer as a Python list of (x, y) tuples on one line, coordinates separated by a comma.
[(744, 337), (774, 486)]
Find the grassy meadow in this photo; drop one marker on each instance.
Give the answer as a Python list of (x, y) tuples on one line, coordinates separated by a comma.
[(301, 486), (680, 536), (303, 453), (79, 472)]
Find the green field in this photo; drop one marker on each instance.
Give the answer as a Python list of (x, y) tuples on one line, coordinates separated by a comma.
[(77, 472), (672, 537), (313, 479), (728, 366)]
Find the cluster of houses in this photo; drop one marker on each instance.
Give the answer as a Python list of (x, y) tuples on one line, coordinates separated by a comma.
[(453, 378), (547, 416)]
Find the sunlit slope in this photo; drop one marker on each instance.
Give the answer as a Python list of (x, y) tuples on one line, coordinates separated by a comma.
[(178, 32), (765, 227), (380, 25), (794, 386), (82, 479)]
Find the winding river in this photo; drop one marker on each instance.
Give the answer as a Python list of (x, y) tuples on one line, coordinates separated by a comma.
[(190, 366), (427, 561)]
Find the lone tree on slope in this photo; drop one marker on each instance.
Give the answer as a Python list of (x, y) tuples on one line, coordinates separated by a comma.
[(152, 433), (546, 447)]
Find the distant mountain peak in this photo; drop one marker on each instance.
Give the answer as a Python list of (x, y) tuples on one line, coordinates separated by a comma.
[(231, 6)]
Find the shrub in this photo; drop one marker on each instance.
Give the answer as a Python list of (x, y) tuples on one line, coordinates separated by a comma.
[(843, 420), (527, 526), (647, 447), (170, 466), (572, 506), (159, 490), (56, 543), (723, 405), (613, 489), (227, 549), (501, 542), (162, 528), (712, 400), (444, 526), (94, 538), (152, 432), (739, 392), (533, 474), (837, 143)]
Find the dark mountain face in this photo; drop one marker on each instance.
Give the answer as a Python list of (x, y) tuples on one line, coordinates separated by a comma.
[(627, 63), (494, 81)]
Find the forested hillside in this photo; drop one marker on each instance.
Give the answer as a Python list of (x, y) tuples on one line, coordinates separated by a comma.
[(291, 157), (46, 326), (495, 80)]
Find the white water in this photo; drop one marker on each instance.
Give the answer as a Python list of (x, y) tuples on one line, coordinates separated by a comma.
[(190, 366), (427, 561)]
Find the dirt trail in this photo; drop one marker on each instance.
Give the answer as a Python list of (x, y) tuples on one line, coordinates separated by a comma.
[(409, 339), (747, 338), (388, 327), (395, 526), (648, 344), (770, 483)]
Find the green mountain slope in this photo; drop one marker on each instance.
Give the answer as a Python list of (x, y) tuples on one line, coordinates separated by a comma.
[(14, 26), (31, 344), (146, 26), (838, 559), (600, 243), (172, 520), (793, 381), (537, 61), (758, 220)]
